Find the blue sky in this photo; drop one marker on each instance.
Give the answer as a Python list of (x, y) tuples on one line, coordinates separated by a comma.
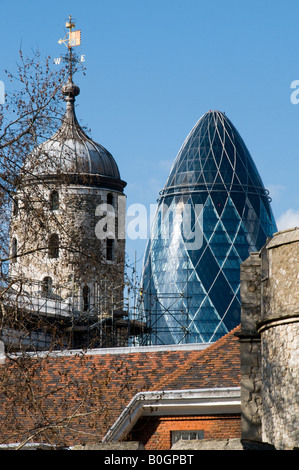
[(154, 67)]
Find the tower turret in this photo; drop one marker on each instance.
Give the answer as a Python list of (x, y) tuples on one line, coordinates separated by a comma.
[(67, 235)]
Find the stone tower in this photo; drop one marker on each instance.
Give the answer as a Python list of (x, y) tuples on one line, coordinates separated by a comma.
[(67, 234), (270, 342)]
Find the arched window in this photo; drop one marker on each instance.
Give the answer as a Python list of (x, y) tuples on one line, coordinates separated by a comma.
[(110, 199), (86, 298), (53, 248), (14, 249), (47, 285), (54, 201), (110, 249), (15, 207)]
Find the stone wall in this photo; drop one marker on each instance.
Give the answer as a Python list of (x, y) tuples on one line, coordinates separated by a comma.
[(82, 254), (280, 346), (250, 348), (269, 340), (279, 330), (67, 292)]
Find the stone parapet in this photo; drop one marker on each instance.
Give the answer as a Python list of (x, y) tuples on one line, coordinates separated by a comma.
[(269, 339), (280, 286), (222, 444), (279, 330)]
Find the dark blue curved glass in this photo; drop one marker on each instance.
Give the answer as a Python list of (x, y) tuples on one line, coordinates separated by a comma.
[(191, 270)]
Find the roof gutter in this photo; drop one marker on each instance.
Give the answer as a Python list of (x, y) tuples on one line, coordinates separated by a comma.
[(211, 401)]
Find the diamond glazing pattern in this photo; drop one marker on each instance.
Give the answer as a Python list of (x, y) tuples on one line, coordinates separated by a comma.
[(193, 295)]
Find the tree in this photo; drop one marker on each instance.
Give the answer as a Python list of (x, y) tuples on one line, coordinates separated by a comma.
[(42, 220), (77, 404), (49, 217), (30, 114)]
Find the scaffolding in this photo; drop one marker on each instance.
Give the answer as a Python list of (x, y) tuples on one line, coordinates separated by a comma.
[(37, 316), (166, 316), (165, 307)]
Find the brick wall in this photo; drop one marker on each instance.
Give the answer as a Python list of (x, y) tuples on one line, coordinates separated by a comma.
[(155, 432)]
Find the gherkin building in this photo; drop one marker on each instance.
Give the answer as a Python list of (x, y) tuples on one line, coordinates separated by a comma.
[(212, 212)]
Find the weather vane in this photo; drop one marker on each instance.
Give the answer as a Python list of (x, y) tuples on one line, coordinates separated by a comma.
[(71, 39)]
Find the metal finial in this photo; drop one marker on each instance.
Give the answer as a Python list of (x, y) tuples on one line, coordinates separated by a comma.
[(72, 39)]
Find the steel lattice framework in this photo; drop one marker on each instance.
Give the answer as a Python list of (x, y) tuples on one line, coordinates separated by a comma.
[(213, 170)]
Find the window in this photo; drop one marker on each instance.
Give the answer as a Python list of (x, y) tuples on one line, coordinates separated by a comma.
[(186, 435), (86, 293), (15, 207), (110, 199), (14, 249), (53, 249), (47, 285), (54, 200), (110, 249)]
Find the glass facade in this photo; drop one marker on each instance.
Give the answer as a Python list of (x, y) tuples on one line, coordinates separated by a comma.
[(212, 212)]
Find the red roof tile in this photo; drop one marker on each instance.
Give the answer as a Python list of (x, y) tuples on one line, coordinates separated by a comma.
[(94, 388)]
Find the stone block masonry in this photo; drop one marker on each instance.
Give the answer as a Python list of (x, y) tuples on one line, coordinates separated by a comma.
[(250, 348), (270, 342)]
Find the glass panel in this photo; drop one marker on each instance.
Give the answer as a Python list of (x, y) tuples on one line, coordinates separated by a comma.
[(54, 200), (197, 291), (186, 435)]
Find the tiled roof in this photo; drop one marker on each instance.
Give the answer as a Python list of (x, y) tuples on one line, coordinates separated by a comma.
[(216, 366), (99, 386)]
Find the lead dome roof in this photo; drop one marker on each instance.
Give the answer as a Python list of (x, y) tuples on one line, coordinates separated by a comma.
[(71, 152)]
